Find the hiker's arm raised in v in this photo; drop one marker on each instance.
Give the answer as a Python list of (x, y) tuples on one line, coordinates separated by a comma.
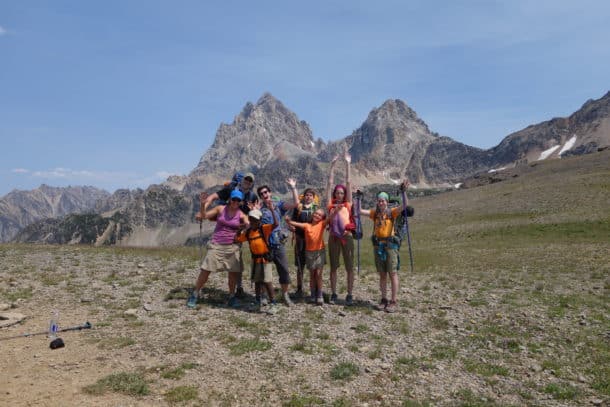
[(293, 187), (331, 180), (348, 182), (292, 183)]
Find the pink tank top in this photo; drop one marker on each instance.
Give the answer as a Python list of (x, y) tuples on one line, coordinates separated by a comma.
[(226, 227)]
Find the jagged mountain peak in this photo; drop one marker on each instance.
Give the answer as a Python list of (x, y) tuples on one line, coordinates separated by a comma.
[(262, 132)]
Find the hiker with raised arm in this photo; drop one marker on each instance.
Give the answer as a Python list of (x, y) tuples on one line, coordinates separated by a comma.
[(303, 213), (243, 182), (257, 236), (223, 254), (279, 236), (340, 239), (315, 253), (386, 243)]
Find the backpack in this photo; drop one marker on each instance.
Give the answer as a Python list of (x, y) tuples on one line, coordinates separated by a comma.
[(234, 183), (297, 211), (267, 255)]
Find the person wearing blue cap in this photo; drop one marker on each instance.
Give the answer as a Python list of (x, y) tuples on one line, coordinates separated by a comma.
[(223, 253)]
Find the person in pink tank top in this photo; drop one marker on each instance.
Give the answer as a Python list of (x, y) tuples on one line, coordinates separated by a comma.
[(222, 253)]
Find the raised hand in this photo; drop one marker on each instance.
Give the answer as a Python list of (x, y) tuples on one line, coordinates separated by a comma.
[(346, 155), (291, 182)]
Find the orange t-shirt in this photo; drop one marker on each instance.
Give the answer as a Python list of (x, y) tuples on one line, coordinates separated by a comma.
[(314, 236), (384, 226)]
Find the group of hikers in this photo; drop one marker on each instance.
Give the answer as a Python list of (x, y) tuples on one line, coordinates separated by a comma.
[(256, 218)]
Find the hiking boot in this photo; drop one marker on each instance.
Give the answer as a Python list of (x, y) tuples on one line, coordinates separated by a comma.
[(392, 307), (298, 294), (233, 302), (333, 298), (320, 301), (382, 304), (271, 309), (192, 301), (264, 301), (239, 292), (287, 300), (349, 300), (255, 307)]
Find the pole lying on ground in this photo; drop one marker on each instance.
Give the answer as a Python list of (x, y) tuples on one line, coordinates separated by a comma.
[(86, 325), (405, 223)]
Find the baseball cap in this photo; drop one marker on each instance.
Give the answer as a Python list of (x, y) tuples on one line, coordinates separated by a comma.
[(237, 194), (249, 175)]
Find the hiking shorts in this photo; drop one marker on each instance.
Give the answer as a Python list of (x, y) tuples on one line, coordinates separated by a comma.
[(262, 272), (299, 252), (389, 264), (315, 259), (222, 257), (336, 247), (279, 258)]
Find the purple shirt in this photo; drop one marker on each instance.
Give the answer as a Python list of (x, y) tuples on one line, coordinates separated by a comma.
[(226, 227)]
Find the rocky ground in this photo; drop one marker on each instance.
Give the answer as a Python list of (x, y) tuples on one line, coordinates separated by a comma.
[(506, 306)]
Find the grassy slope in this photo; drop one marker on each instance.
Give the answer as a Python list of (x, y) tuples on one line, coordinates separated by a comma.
[(508, 305)]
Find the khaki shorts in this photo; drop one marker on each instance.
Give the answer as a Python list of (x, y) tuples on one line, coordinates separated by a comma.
[(315, 259), (222, 257), (335, 248), (389, 264), (262, 272)]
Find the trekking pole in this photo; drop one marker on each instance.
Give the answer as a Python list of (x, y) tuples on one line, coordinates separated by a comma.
[(358, 226), (86, 325), (405, 223), (200, 241)]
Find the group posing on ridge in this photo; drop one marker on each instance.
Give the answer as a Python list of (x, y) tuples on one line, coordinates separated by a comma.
[(256, 218)]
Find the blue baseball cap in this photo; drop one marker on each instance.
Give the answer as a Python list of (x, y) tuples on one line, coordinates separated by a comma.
[(237, 194)]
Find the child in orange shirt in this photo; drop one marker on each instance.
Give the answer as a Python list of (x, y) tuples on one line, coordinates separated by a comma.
[(315, 252)]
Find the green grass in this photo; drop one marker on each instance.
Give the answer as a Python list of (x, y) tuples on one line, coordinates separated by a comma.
[(243, 346), (132, 384), (561, 391), (181, 394), (303, 401), (344, 371)]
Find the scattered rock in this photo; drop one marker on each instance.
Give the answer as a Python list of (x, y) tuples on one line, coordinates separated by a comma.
[(86, 299), (10, 318), (4, 307), (582, 379), (147, 307), (597, 402), (141, 265), (131, 312), (535, 367)]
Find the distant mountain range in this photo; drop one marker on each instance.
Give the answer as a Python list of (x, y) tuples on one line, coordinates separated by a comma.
[(269, 140)]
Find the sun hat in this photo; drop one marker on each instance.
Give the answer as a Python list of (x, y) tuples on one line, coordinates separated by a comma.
[(256, 214)]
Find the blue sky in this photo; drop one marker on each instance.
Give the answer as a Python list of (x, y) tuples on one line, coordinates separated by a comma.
[(120, 94)]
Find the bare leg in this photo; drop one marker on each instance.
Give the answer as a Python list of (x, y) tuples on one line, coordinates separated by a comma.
[(233, 277), (201, 280), (350, 281), (394, 283), (383, 284), (333, 281)]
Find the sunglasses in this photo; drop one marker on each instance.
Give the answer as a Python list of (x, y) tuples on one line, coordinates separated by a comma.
[(265, 192)]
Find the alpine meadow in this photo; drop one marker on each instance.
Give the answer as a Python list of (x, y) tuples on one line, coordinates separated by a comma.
[(508, 305)]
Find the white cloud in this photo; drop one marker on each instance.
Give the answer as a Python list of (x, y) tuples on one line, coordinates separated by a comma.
[(110, 180), (3, 31)]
